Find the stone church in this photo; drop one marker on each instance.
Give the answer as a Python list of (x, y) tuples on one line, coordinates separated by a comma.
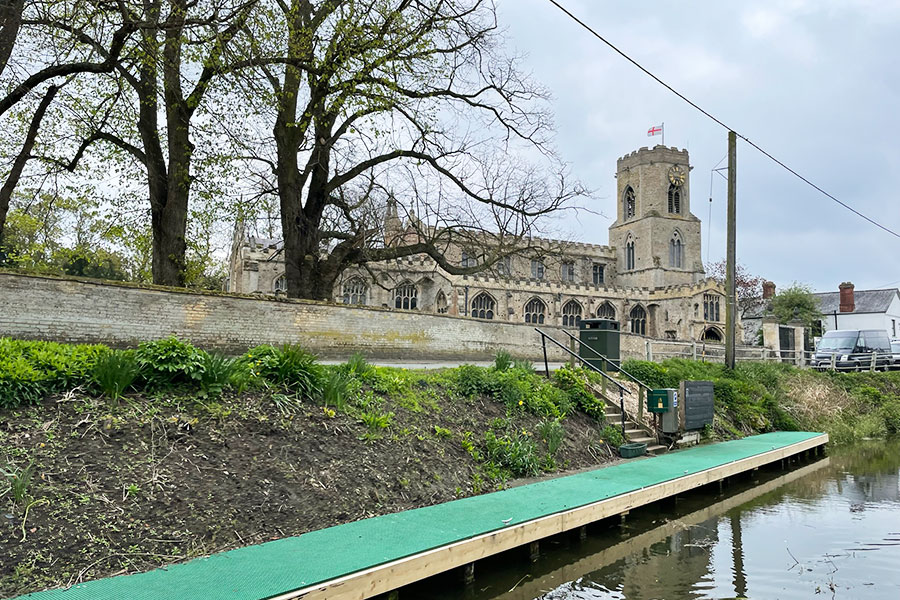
[(650, 278)]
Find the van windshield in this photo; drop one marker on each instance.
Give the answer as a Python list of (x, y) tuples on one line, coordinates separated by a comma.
[(837, 343)]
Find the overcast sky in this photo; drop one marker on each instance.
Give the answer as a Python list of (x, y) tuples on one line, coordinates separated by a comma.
[(816, 83)]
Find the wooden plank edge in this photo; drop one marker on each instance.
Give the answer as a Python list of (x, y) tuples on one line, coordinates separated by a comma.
[(403, 571)]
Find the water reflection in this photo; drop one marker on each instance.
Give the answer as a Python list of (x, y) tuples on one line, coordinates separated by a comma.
[(831, 527)]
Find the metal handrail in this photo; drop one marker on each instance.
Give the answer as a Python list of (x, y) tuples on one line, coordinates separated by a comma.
[(622, 388), (618, 368)]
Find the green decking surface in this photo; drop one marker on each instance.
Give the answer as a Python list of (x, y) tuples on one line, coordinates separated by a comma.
[(266, 570)]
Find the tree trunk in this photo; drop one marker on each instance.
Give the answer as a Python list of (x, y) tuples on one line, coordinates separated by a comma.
[(10, 20), (15, 172)]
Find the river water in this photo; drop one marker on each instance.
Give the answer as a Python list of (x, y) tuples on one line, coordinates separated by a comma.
[(823, 529)]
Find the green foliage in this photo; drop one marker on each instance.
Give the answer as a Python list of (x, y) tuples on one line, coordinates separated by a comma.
[(796, 302), (552, 433), (115, 371), (30, 371), (169, 361), (358, 366), (375, 421), (649, 373), (502, 360), (514, 452), (218, 372), (290, 365), (525, 366), (338, 388), (16, 481), (612, 436), (573, 382), (442, 432), (470, 380), (890, 412)]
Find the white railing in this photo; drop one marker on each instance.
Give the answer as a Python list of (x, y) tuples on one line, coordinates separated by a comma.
[(658, 350)]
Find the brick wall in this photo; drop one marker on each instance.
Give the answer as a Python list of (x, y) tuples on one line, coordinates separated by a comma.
[(121, 315)]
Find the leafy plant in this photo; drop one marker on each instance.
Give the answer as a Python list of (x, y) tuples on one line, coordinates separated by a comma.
[(442, 432), (286, 404), (17, 481), (358, 365), (515, 452), (525, 366), (552, 433), (612, 436), (217, 372), (289, 365), (375, 421), (338, 387), (502, 360), (169, 362), (115, 371)]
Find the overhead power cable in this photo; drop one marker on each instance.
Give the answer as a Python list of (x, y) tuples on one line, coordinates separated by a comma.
[(718, 121)]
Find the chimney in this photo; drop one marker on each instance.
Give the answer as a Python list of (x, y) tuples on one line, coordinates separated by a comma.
[(768, 290), (847, 303)]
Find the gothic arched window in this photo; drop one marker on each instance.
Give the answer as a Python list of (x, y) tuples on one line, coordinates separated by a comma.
[(606, 311), (628, 203), (483, 306), (675, 199), (440, 303), (676, 251), (711, 307), (629, 254), (279, 286), (535, 311), (639, 320), (406, 296), (355, 291), (571, 314)]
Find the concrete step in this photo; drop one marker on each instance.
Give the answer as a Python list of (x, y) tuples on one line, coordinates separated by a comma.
[(642, 440), (657, 449)]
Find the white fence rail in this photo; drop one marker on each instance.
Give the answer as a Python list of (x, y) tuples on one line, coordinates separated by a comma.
[(657, 350)]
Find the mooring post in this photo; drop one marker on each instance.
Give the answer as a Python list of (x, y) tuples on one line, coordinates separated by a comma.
[(534, 551), (468, 573)]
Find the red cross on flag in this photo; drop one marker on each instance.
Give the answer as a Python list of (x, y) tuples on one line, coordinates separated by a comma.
[(655, 130)]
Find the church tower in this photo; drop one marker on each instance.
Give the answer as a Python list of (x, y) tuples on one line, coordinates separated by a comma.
[(657, 239)]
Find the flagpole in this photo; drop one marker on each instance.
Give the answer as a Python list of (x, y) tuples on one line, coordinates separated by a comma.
[(663, 127)]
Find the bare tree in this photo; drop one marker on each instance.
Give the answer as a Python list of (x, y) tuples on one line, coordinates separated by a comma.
[(386, 107)]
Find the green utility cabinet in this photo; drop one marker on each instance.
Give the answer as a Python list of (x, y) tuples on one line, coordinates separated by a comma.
[(658, 401), (664, 402), (601, 335)]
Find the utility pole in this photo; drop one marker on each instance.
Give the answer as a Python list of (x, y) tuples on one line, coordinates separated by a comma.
[(730, 304)]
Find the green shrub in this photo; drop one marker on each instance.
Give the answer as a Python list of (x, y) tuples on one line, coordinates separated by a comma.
[(515, 453), (168, 362), (290, 365), (502, 360), (572, 381), (651, 374), (890, 412), (115, 371), (469, 380), (612, 436), (30, 371)]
